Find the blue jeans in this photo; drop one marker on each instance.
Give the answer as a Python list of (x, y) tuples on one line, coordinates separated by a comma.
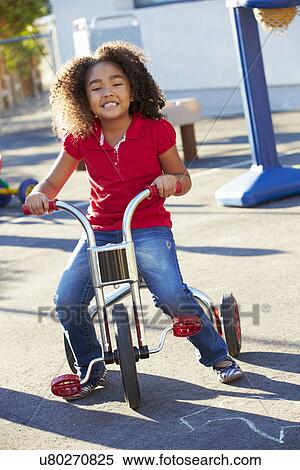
[(157, 262)]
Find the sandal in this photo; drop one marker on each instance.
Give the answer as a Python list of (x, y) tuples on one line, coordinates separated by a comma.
[(228, 373), (88, 388)]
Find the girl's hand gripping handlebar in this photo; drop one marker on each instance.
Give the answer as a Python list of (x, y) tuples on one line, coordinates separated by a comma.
[(52, 207), (154, 191)]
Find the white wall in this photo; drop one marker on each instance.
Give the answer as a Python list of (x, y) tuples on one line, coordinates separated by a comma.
[(66, 11), (192, 50)]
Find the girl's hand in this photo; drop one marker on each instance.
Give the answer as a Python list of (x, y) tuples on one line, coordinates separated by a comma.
[(166, 185), (37, 203)]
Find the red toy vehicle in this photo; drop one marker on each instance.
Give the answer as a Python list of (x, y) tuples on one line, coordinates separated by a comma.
[(6, 192), (115, 265)]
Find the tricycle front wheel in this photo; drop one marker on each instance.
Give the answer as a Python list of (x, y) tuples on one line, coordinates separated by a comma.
[(125, 356)]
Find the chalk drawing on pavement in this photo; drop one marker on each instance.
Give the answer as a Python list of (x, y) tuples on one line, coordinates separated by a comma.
[(207, 415)]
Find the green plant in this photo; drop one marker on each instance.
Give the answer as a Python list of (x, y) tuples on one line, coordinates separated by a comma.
[(16, 20)]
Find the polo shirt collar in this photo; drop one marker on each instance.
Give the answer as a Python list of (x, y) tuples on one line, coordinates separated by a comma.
[(134, 131)]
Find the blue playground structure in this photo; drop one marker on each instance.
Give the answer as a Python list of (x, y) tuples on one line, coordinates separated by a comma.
[(267, 179)]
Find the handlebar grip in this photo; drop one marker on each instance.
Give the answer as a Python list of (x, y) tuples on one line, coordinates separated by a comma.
[(25, 210), (154, 191), (52, 207)]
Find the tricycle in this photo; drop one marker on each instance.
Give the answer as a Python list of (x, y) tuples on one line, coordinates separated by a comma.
[(115, 265), (6, 192)]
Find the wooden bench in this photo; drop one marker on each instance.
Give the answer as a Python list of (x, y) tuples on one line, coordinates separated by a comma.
[(182, 112)]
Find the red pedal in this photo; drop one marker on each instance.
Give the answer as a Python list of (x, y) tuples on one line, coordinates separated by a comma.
[(186, 325), (65, 385)]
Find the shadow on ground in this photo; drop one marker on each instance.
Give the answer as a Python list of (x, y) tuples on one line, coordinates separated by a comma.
[(39, 242), (228, 251), (166, 419), (273, 360)]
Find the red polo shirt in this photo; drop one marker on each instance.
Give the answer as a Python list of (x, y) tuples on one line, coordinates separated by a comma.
[(116, 176)]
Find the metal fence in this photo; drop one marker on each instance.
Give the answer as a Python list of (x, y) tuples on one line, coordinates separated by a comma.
[(15, 85)]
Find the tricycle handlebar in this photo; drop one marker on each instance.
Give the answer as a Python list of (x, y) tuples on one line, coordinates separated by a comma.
[(149, 192), (52, 207)]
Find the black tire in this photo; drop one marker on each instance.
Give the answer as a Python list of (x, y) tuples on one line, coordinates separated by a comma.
[(232, 325), (125, 355), (70, 356)]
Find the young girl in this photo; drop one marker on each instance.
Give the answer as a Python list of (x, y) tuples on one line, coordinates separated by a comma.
[(109, 108)]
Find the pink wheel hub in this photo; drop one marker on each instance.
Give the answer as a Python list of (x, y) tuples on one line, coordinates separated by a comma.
[(237, 324)]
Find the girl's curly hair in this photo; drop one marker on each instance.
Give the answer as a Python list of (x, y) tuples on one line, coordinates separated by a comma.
[(70, 107)]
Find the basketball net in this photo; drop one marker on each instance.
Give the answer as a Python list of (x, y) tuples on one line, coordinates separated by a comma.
[(275, 19)]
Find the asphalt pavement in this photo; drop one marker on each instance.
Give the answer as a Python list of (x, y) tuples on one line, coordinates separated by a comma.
[(255, 253)]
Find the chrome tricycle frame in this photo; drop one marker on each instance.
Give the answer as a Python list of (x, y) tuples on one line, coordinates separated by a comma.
[(115, 265)]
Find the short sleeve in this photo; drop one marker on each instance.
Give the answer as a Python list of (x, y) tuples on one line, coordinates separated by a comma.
[(166, 136), (71, 146)]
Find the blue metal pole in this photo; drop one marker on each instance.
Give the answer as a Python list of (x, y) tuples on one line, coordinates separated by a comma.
[(266, 180), (254, 89)]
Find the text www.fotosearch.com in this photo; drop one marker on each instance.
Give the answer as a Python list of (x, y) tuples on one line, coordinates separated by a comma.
[(137, 461), (166, 460)]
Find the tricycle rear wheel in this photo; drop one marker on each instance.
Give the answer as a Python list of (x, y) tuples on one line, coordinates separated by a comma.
[(232, 325)]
